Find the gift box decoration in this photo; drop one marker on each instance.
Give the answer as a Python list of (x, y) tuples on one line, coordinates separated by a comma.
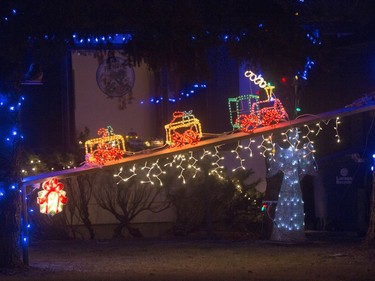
[(52, 198), (183, 129), (106, 148)]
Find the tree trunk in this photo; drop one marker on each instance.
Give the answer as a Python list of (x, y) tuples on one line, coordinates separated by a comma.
[(10, 201), (10, 211), (117, 233), (370, 237), (135, 232), (83, 202)]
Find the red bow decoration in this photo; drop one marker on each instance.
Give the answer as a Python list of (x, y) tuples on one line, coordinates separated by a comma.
[(52, 189), (187, 137)]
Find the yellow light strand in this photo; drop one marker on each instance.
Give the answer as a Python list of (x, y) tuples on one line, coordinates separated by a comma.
[(309, 145), (182, 159), (193, 164), (240, 159), (170, 164), (179, 160), (125, 179), (248, 147), (154, 167), (266, 142), (217, 170), (293, 140), (336, 127), (205, 153), (319, 128)]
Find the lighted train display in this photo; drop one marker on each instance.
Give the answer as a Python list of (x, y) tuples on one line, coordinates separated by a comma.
[(263, 113), (247, 113)]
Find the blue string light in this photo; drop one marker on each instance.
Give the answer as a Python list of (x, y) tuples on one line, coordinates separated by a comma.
[(308, 65), (2, 192), (183, 94), (13, 132), (12, 12), (124, 38), (314, 38), (115, 39), (10, 109)]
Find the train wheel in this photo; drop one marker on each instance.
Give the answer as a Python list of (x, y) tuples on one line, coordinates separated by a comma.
[(248, 123), (270, 117)]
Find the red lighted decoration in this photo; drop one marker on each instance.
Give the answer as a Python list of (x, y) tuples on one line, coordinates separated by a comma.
[(52, 198), (183, 129), (108, 147), (262, 116), (263, 113)]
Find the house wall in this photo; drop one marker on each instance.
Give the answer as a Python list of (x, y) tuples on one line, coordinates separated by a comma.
[(94, 109)]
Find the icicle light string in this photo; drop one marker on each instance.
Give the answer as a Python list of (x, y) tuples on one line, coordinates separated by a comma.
[(153, 171), (248, 147), (125, 179), (309, 144), (292, 142), (184, 163), (319, 128), (205, 153), (178, 161), (192, 164), (336, 128), (217, 168), (240, 159), (180, 166), (265, 145), (325, 122), (170, 164)]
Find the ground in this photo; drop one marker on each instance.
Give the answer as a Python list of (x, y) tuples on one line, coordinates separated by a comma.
[(322, 257)]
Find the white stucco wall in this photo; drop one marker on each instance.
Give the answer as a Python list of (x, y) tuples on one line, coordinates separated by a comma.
[(96, 110)]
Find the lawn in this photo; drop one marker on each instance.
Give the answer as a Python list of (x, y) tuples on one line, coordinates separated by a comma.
[(322, 257)]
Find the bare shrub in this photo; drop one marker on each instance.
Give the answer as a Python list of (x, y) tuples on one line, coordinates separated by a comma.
[(80, 195), (126, 200)]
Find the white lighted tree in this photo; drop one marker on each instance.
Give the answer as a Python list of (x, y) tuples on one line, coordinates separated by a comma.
[(295, 163)]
